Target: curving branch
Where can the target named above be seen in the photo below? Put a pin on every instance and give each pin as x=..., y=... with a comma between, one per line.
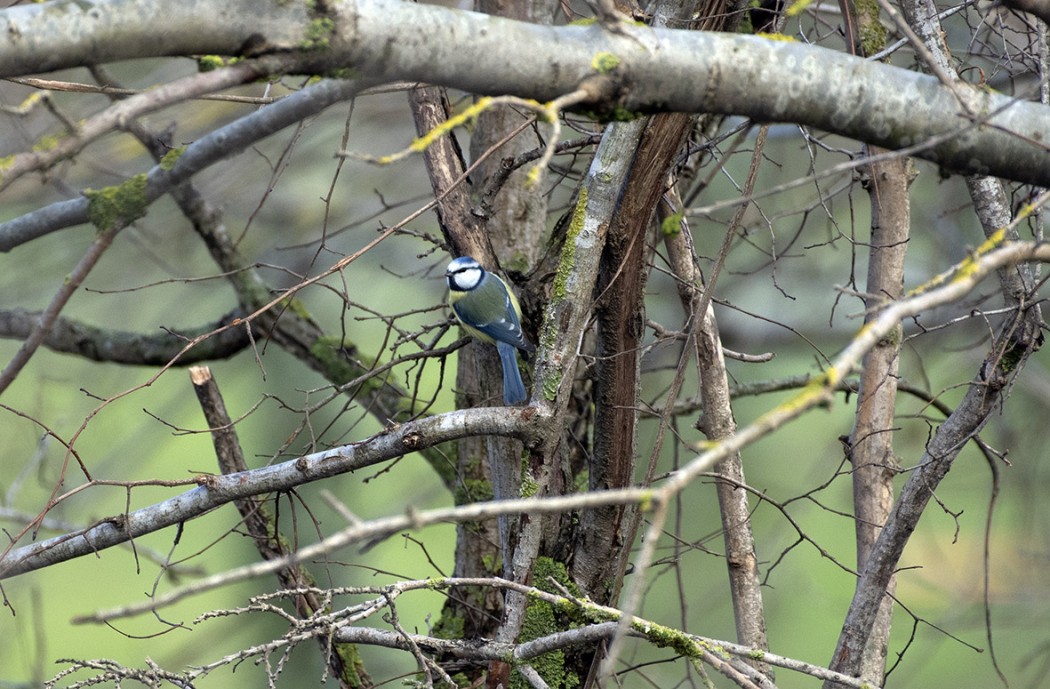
x=137, y=349
x=958, y=126
x=1040, y=8
x=215, y=491
x=117, y=115
x=206, y=151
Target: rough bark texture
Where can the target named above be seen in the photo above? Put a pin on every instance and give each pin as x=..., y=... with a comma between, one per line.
x=660, y=70
x=871, y=442
x=514, y=211
x=717, y=422
x=606, y=534
x=467, y=611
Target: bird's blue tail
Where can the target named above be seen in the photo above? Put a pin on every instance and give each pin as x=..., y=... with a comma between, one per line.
x=513, y=387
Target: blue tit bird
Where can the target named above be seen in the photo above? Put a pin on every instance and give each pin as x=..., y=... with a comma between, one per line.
x=489, y=311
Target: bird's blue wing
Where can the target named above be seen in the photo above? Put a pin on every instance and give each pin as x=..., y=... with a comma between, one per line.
x=477, y=313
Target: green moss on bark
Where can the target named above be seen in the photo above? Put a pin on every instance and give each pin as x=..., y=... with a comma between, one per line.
x=119, y=205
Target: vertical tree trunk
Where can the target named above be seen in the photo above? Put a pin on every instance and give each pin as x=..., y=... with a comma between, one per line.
x=467, y=611
x=871, y=442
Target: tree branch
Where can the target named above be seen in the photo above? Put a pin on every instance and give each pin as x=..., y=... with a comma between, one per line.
x=49, y=36
x=42, y=324
x=125, y=110
x=983, y=397
x=601, y=624
x=656, y=69
x=342, y=658
x=717, y=421
x=215, y=491
x=99, y=344
x=870, y=445
x=202, y=153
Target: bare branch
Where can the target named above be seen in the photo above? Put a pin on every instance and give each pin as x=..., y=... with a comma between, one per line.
x=125, y=110
x=42, y=325
x=206, y=151
x=138, y=349
x=657, y=69
x=219, y=490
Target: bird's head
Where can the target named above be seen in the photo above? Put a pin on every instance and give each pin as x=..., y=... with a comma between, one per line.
x=464, y=274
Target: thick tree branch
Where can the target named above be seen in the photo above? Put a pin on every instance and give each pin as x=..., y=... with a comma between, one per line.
x=137, y=349
x=446, y=169
x=655, y=69
x=564, y=321
x=495, y=650
x=514, y=209
x=49, y=36
x=215, y=491
x=604, y=536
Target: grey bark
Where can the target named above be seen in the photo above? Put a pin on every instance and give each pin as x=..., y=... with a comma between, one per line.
x=219, y=490
x=655, y=69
